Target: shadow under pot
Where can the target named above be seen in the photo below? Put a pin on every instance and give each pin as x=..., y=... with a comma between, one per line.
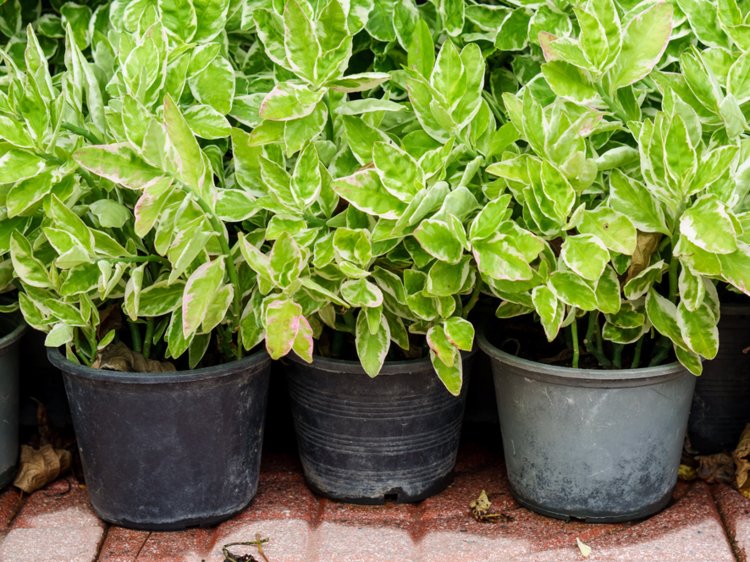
x=721, y=404
x=11, y=330
x=167, y=451
x=367, y=440
x=592, y=444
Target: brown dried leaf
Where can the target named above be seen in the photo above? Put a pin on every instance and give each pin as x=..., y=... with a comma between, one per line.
x=715, y=469
x=39, y=467
x=742, y=462
x=119, y=357
x=647, y=244
x=480, y=510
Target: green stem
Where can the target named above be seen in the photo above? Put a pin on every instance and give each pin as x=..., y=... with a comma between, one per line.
x=82, y=133
x=673, y=280
x=149, y=337
x=574, y=337
x=473, y=300
x=593, y=340
x=330, y=132
x=135, y=336
x=637, y=354
x=617, y=356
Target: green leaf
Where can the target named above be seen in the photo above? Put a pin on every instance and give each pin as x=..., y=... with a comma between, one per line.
x=441, y=346
x=644, y=40
x=118, y=163
x=662, y=314
x=289, y=101
x=27, y=267
x=17, y=165
x=361, y=293
x=691, y=361
x=572, y=290
x=400, y=174
x=708, y=225
x=110, y=214
x=282, y=321
x=445, y=279
x=439, y=240
x=460, y=332
x=372, y=349
x=359, y=82
x=200, y=290
x=421, y=50
x=513, y=34
x=632, y=199
x=452, y=15
x=551, y=310
x=179, y=17
x=699, y=330
x=450, y=376
x=302, y=49
x=586, y=255
x=182, y=148
x=215, y=85
x=642, y=283
x=612, y=228
x=567, y=81
x=207, y=123
x=365, y=191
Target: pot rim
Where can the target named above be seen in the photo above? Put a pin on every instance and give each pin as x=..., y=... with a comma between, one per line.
x=14, y=336
x=105, y=375
x=561, y=375
x=348, y=366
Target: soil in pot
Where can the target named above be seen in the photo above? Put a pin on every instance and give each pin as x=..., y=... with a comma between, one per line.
x=721, y=404
x=368, y=440
x=166, y=451
x=594, y=444
x=11, y=331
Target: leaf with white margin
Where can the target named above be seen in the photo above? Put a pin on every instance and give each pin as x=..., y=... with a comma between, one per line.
x=586, y=255
x=372, y=349
x=289, y=101
x=200, y=290
x=708, y=225
x=365, y=191
x=282, y=320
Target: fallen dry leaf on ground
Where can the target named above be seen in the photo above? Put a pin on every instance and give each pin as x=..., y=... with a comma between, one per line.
x=716, y=469
x=480, y=510
x=39, y=467
x=583, y=547
x=742, y=463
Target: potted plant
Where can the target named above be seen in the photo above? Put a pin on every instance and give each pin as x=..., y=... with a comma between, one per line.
x=123, y=239
x=367, y=241
x=624, y=199
x=722, y=394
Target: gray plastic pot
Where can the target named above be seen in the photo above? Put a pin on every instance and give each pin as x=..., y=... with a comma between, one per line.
x=166, y=451
x=368, y=440
x=9, y=344
x=597, y=445
x=721, y=404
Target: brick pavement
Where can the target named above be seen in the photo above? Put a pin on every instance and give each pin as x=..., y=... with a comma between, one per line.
x=710, y=523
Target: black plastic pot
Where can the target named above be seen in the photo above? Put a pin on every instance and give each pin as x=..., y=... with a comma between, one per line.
x=368, y=440
x=721, y=404
x=9, y=344
x=598, y=445
x=166, y=451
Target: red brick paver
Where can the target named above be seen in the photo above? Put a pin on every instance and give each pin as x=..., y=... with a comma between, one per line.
x=57, y=524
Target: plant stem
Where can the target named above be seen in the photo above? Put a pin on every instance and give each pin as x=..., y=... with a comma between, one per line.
x=637, y=354
x=135, y=336
x=574, y=337
x=673, y=280
x=149, y=337
x=617, y=356
x=81, y=133
x=473, y=300
x=593, y=340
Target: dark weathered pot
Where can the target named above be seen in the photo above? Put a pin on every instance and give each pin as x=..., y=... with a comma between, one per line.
x=598, y=445
x=9, y=344
x=166, y=451
x=721, y=404
x=367, y=440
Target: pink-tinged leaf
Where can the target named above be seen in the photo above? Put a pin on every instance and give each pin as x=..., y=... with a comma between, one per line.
x=282, y=320
x=303, y=343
